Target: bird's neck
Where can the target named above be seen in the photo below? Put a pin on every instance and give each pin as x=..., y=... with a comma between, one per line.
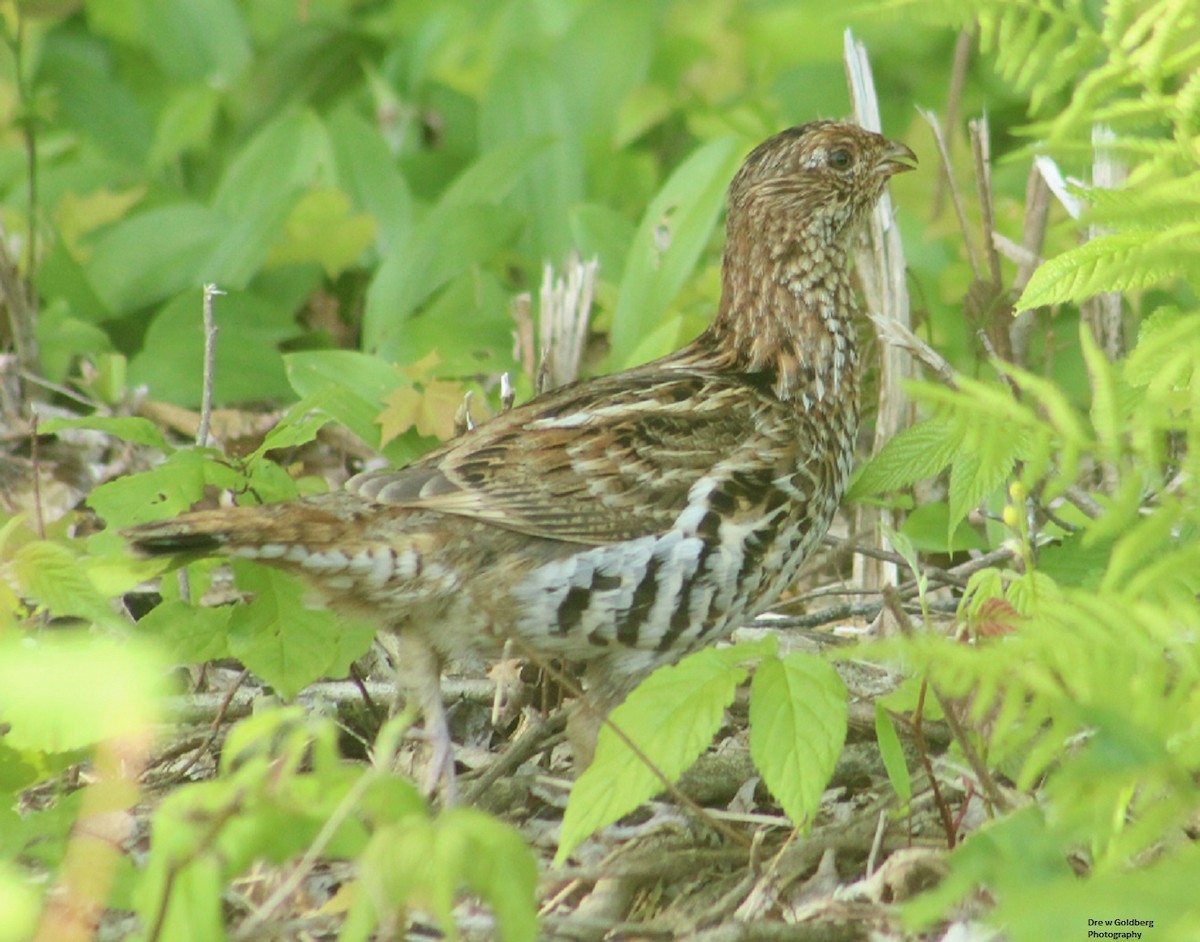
x=787, y=309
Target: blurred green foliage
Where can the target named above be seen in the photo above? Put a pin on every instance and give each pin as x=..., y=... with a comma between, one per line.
x=371, y=183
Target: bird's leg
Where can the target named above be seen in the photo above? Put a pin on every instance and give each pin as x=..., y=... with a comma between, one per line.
x=419, y=675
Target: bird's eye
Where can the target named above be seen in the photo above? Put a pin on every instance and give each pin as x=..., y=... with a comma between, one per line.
x=840, y=159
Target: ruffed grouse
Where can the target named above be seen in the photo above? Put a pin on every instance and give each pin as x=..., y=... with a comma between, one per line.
x=621, y=521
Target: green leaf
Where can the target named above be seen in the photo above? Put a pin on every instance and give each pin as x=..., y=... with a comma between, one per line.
x=164, y=491
x=250, y=331
x=494, y=861
x=322, y=228
x=52, y=577
x=285, y=157
x=132, y=429
x=978, y=473
x=526, y=101
x=286, y=643
x=187, y=634
x=1122, y=261
x=913, y=454
x=682, y=216
x=443, y=245
x=170, y=245
x=367, y=171
x=671, y=717
x=892, y=753
x=797, y=728
x=66, y=690
x=927, y=525
x=352, y=386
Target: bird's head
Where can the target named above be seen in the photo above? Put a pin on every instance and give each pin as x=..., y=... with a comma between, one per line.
x=819, y=179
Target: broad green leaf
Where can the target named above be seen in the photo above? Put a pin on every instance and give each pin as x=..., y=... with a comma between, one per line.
x=671, y=716
x=249, y=366
x=352, y=386
x=797, y=728
x=367, y=171
x=128, y=428
x=492, y=177
x=673, y=232
x=66, y=690
x=185, y=124
x=187, y=634
x=171, y=245
x=526, y=101
x=280, y=638
x=494, y=861
x=165, y=490
x=299, y=426
x=926, y=527
x=443, y=245
x=90, y=100
x=285, y=157
x=202, y=40
x=979, y=474
x=913, y=454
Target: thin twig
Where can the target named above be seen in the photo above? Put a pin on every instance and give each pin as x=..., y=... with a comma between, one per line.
x=956, y=197
x=981, y=149
x=210, y=367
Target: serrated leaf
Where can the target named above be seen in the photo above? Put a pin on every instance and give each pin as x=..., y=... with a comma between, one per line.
x=797, y=728
x=286, y=643
x=1118, y=262
x=495, y=862
x=978, y=473
x=913, y=454
x=50, y=575
x=671, y=716
x=430, y=410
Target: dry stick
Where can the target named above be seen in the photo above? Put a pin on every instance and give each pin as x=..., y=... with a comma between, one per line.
x=958, y=79
x=213, y=727
x=533, y=740
x=884, y=277
x=206, y=400
x=1033, y=234
x=304, y=866
x=210, y=350
x=35, y=458
x=956, y=197
x=981, y=148
x=568, y=684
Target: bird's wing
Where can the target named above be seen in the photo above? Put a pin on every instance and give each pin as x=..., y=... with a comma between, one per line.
x=597, y=462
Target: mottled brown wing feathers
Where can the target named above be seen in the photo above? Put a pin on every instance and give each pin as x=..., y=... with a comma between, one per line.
x=602, y=463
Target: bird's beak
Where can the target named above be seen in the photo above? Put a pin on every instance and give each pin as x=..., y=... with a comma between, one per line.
x=897, y=159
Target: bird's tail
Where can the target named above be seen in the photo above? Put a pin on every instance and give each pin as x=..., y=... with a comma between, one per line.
x=204, y=532
x=270, y=531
